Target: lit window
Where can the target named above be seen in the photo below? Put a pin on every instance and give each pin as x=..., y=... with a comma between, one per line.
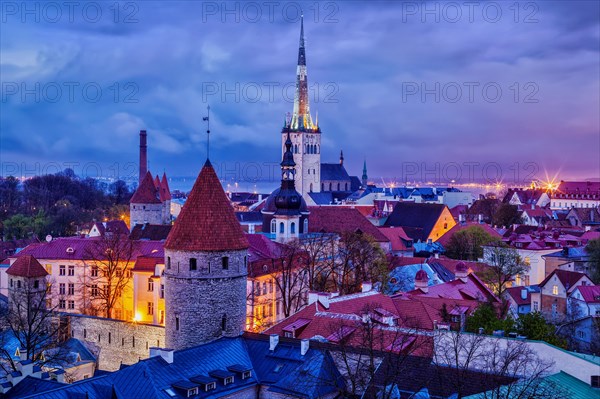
x=555, y=290
x=150, y=308
x=150, y=284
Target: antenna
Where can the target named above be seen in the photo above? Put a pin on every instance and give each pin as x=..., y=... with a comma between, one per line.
x=207, y=120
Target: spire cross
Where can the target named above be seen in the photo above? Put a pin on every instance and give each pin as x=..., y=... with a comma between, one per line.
x=207, y=120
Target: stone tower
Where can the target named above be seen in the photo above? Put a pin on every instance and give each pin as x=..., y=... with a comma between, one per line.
x=305, y=135
x=206, y=256
x=145, y=205
x=285, y=213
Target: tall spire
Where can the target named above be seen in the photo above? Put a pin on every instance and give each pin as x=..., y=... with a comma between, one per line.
x=301, y=119
x=365, y=178
x=341, y=157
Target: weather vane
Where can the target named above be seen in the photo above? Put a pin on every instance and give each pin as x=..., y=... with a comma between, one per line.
x=207, y=120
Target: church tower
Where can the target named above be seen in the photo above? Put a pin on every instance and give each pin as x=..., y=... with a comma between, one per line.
x=365, y=178
x=206, y=256
x=304, y=134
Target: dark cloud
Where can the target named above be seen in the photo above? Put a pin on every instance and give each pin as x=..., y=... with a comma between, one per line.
x=157, y=72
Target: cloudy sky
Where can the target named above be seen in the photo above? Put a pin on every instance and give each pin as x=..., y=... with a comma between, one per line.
x=436, y=90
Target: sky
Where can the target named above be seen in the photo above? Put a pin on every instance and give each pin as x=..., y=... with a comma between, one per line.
x=423, y=91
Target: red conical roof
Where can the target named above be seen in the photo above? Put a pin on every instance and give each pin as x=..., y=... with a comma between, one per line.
x=207, y=221
x=147, y=193
x=27, y=266
x=165, y=192
x=157, y=182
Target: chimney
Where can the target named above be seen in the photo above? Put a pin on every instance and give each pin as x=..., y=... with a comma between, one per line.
x=524, y=293
x=273, y=341
x=461, y=218
x=480, y=218
x=367, y=286
x=23, y=354
x=166, y=354
x=58, y=375
x=532, y=206
x=304, y=345
x=143, y=156
x=25, y=367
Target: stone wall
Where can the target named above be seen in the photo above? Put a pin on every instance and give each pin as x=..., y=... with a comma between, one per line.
x=201, y=302
x=116, y=342
x=146, y=213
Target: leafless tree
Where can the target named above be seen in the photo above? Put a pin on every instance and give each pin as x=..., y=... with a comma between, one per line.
x=111, y=260
x=511, y=368
x=290, y=278
x=320, y=250
x=504, y=264
x=29, y=317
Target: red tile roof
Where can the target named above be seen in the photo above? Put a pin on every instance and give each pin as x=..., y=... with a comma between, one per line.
x=590, y=293
x=515, y=294
x=566, y=277
x=578, y=187
x=147, y=264
x=341, y=219
x=445, y=239
x=397, y=237
x=472, y=289
x=147, y=193
x=165, y=192
x=26, y=266
x=207, y=221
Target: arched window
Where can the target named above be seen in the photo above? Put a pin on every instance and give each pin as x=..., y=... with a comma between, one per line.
x=322, y=186
x=306, y=149
x=224, y=322
x=273, y=226
x=168, y=262
x=281, y=228
x=330, y=186
x=318, y=149
x=306, y=226
x=293, y=228
x=295, y=148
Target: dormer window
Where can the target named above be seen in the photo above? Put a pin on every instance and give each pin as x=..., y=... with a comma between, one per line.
x=224, y=376
x=206, y=383
x=243, y=371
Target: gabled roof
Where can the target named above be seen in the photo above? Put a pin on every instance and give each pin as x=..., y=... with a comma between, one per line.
x=578, y=187
x=567, y=278
x=147, y=231
x=207, y=221
x=112, y=226
x=397, y=237
x=341, y=219
x=165, y=192
x=445, y=239
x=471, y=289
x=334, y=171
x=146, y=193
x=516, y=294
x=590, y=293
x=27, y=266
x=418, y=219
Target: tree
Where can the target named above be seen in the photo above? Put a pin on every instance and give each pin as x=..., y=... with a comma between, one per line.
x=511, y=368
x=534, y=326
x=487, y=317
x=29, y=317
x=320, y=250
x=506, y=215
x=467, y=243
x=593, y=249
x=22, y=226
x=111, y=261
x=504, y=264
x=359, y=259
x=290, y=277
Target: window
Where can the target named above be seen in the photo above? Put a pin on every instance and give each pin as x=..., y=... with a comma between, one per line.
x=162, y=291
x=554, y=309
x=150, y=308
x=273, y=226
x=555, y=290
x=11, y=282
x=445, y=226
x=94, y=290
x=293, y=228
x=94, y=271
x=257, y=288
x=270, y=286
x=265, y=288
x=62, y=304
x=580, y=334
x=118, y=273
x=193, y=264
x=527, y=261
x=305, y=225
x=535, y=306
x=176, y=323
x=281, y=228
x=225, y=262
x=71, y=304
x=71, y=290
x=18, y=283
x=150, y=284
x=61, y=270
x=228, y=380
x=71, y=270
x=49, y=268
x=161, y=319
x=168, y=262
x=595, y=381
x=62, y=289
x=224, y=323
x=213, y=385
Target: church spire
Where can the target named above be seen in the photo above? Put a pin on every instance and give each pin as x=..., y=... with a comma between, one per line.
x=365, y=178
x=301, y=119
x=342, y=157
x=288, y=166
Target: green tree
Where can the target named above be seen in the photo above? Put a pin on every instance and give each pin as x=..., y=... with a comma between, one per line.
x=534, y=326
x=506, y=215
x=504, y=264
x=593, y=249
x=488, y=318
x=22, y=226
x=467, y=243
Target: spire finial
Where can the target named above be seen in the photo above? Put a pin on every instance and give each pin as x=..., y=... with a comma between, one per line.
x=207, y=120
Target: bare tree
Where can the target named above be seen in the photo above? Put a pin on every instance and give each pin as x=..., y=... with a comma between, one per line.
x=504, y=264
x=510, y=368
x=111, y=261
x=29, y=317
x=290, y=278
x=320, y=250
